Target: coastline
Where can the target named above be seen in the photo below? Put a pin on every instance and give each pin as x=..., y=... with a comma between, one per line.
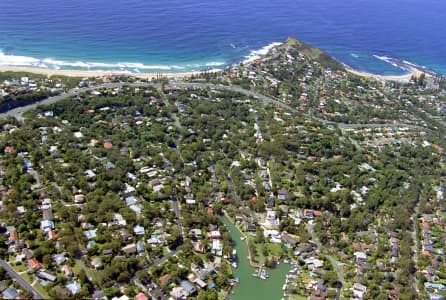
x=81, y=73
x=412, y=71
x=149, y=76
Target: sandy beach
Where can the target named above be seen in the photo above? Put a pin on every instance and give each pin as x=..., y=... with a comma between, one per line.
x=80, y=73
x=413, y=71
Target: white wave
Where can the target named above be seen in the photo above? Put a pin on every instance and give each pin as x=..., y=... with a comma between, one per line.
x=409, y=63
x=257, y=54
x=383, y=58
x=51, y=63
x=354, y=55
x=399, y=64
x=17, y=60
x=214, y=64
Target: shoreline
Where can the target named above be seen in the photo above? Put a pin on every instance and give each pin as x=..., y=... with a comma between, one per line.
x=400, y=78
x=412, y=71
x=251, y=263
x=82, y=73
x=405, y=78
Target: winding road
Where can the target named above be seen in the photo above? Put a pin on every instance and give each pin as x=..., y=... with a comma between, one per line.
x=18, y=112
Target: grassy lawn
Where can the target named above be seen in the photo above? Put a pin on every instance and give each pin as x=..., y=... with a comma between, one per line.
x=42, y=290
x=275, y=249
x=19, y=268
x=28, y=278
x=166, y=250
x=76, y=268
x=297, y=297
x=260, y=258
x=91, y=273
x=227, y=267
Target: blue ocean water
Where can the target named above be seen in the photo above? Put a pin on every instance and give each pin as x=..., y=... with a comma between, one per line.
x=184, y=35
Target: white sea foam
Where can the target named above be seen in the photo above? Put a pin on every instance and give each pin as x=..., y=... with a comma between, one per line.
x=214, y=64
x=51, y=63
x=394, y=62
x=256, y=54
x=383, y=58
x=17, y=60
x=354, y=55
x=409, y=63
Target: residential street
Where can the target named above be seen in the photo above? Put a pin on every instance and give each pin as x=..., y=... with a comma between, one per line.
x=23, y=283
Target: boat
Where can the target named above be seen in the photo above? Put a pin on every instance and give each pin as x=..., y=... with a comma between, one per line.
x=262, y=274
x=242, y=238
x=234, y=265
x=234, y=255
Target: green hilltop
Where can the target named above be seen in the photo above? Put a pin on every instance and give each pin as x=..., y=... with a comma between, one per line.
x=314, y=53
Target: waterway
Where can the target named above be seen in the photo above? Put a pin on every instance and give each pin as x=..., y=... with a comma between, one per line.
x=251, y=287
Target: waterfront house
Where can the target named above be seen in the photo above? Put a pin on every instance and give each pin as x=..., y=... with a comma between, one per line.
x=287, y=239
x=250, y=227
x=217, y=247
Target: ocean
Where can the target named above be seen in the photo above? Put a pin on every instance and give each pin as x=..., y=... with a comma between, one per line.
x=192, y=35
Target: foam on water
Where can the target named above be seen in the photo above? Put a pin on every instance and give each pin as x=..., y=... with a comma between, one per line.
x=256, y=54
x=56, y=64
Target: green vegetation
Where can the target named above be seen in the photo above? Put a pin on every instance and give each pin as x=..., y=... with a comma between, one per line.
x=342, y=175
